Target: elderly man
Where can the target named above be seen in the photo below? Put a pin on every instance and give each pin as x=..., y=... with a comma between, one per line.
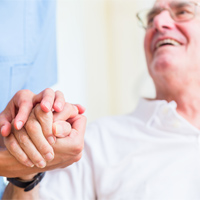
x=152, y=153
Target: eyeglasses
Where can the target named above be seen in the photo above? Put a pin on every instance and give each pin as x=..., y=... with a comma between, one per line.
x=180, y=11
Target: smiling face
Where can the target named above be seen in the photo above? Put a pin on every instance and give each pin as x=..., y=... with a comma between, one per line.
x=172, y=48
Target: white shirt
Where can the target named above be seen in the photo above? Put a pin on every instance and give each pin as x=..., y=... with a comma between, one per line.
x=150, y=154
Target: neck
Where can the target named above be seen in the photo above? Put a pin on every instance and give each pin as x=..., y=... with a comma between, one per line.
x=188, y=103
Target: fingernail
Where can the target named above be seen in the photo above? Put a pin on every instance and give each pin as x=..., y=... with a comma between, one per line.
x=49, y=156
x=2, y=129
x=59, y=105
x=19, y=125
x=59, y=130
x=51, y=140
x=76, y=109
x=41, y=164
x=47, y=105
x=29, y=164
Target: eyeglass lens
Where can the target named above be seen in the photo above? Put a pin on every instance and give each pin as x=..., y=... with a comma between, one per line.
x=179, y=11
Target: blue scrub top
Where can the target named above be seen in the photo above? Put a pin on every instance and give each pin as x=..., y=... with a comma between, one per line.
x=27, y=48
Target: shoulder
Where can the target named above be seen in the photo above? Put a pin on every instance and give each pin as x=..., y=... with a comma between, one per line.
x=112, y=126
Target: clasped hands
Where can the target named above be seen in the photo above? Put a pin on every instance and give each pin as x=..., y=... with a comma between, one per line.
x=42, y=131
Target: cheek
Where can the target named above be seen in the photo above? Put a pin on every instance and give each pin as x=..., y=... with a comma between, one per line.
x=147, y=46
x=192, y=35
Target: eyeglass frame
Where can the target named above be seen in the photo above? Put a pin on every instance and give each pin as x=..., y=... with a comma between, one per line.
x=196, y=4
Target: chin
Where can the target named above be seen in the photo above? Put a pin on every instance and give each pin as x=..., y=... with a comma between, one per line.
x=164, y=63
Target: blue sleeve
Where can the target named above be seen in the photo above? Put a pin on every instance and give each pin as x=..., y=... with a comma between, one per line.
x=2, y=187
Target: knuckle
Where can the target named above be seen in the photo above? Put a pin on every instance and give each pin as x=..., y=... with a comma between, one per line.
x=23, y=139
x=45, y=148
x=31, y=125
x=48, y=90
x=45, y=117
x=19, y=155
x=23, y=158
x=27, y=103
x=59, y=93
x=83, y=117
x=12, y=145
x=37, y=109
x=36, y=158
x=48, y=93
x=67, y=105
x=49, y=114
x=24, y=91
x=78, y=148
x=20, y=92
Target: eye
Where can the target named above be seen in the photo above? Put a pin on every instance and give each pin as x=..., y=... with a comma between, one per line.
x=182, y=12
x=150, y=18
x=151, y=15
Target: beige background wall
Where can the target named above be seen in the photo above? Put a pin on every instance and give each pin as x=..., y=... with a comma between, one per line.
x=100, y=55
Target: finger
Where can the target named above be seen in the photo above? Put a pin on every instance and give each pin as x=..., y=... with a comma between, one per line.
x=81, y=109
x=78, y=124
x=20, y=107
x=29, y=148
x=59, y=101
x=25, y=108
x=5, y=126
x=69, y=111
x=46, y=98
x=35, y=132
x=75, y=141
x=46, y=121
x=6, y=118
x=78, y=132
x=61, y=129
x=23, y=104
x=14, y=148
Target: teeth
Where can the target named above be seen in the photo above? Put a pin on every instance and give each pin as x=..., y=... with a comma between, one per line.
x=167, y=41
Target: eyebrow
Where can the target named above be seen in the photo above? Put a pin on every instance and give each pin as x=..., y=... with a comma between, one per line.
x=179, y=4
x=157, y=9
x=153, y=11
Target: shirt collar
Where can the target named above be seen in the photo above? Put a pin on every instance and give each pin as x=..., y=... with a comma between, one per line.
x=162, y=115
x=147, y=108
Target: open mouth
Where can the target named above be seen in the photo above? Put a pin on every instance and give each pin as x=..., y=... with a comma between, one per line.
x=165, y=42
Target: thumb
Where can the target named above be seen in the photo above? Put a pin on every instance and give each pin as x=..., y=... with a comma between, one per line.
x=81, y=109
x=5, y=124
x=61, y=129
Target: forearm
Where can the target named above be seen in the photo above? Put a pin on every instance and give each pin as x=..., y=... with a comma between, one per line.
x=13, y=192
x=10, y=167
x=1, y=142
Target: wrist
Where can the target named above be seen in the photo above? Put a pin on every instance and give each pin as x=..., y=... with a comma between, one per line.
x=27, y=184
x=27, y=177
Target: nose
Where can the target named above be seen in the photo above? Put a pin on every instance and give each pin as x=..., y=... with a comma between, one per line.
x=163, y=21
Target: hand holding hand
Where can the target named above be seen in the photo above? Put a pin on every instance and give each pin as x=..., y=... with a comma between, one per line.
x=20, y=106
x=30, y=147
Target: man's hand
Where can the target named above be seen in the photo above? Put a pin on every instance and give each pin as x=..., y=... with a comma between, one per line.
x=29, y=145
x=20, y=106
